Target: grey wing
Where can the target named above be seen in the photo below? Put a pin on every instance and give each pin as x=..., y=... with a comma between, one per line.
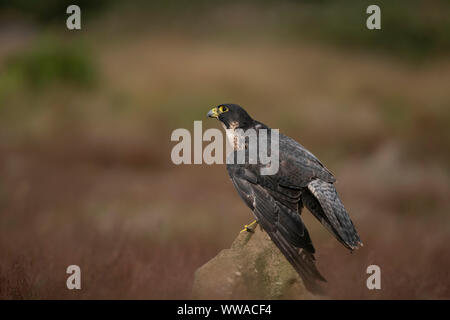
x=283, y=225
x=299, y=168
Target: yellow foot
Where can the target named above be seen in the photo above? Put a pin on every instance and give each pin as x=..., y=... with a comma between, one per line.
x=246, y=227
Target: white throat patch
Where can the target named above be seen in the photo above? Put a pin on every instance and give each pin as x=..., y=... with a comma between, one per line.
x=235, y=137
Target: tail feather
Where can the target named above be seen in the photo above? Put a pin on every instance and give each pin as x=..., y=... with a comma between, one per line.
x=286, y=229
x=298, y=251
x=323, y=201
x=302, y=261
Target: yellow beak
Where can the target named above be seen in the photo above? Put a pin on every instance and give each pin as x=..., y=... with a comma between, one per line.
x=213, y=113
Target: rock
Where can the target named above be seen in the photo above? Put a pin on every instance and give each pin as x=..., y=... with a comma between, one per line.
x=253, y=268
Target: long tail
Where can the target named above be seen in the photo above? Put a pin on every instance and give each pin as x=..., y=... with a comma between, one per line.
x=302, y=261
x=287, y=231
x=323, y=201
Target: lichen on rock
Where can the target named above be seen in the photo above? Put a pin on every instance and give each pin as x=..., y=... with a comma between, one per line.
x=253, y=268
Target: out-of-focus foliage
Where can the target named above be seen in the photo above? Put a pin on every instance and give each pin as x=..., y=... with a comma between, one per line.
x=410, y=28
x=48, y=62
x=413, y=28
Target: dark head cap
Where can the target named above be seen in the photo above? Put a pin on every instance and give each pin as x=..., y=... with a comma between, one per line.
x=231, y=115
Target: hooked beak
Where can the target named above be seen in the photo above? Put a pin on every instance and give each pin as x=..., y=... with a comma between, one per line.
x=213, y=113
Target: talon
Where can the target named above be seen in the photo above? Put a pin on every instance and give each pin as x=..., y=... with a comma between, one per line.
x=246, y=227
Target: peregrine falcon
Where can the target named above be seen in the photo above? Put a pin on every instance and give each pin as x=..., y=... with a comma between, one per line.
x=277, y=200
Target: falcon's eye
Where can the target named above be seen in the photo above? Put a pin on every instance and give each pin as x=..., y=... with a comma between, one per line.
x=223, y=109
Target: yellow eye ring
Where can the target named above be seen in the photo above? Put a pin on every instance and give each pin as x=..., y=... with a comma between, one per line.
x=223, y=109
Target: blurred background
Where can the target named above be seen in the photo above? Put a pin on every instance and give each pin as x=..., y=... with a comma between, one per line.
x=86, y=118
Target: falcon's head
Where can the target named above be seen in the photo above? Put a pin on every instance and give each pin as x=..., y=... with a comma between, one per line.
x=231, y=115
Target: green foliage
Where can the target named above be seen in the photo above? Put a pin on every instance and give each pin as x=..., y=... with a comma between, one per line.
x=409, y=28
x=47, y=63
